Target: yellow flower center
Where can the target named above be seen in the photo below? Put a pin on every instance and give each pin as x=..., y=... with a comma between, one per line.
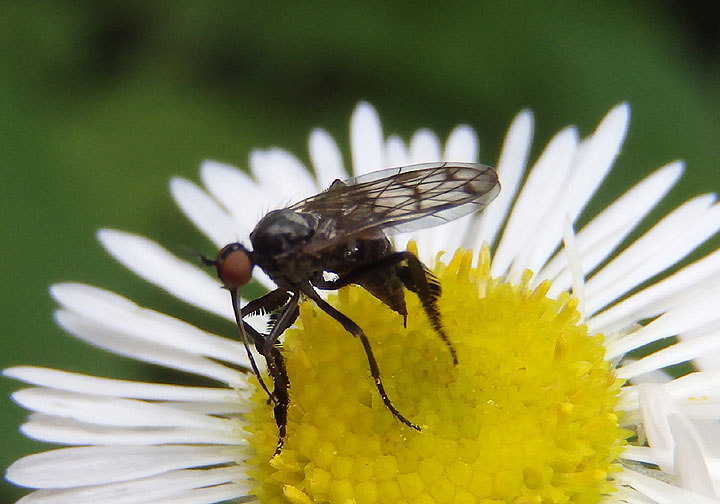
x=527, y=416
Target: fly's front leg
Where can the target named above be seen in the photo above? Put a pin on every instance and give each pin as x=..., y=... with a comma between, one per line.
x=288, y=315
x=259, y=339
x=355, y=330
x=281, y=383
x=264, y=304
x=276, y=368
x=276, y=362
x=267, y=303
x=244, y=329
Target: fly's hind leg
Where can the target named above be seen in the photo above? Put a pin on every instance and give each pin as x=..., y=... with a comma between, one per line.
x=418, y=279
x=355, y=330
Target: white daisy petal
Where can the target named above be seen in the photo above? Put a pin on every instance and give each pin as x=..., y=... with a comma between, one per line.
x=707, y=361
x=648, y=455
x=158, y=266
x=396, y=153
x=326, y=158
x=659, y=491
x=122, y=343
x=709, y=431
x=683, y=351
x=510, y=168
x=281, y=176
x=211, y=495
x=220, y=226
x=605, y=232
x=86, y=384
x=694, y=385
x=461, y=145
x=108, y=495
x=205, y=213
x=52, y=429
x=117, y=412
x=424, y=147
x=118, y=313
x=574, y=261
x=689, y=457
x=700, y=408
x=656, y=405
x=676, y=289
x=669, y=431
x=146, y=490
x=595, y=157
x=237, y=192
x=96, y=465
x=215, y=408
x=671, y=239
x=683, y=318
x=366, y=140
x=538, y=194
x=592, y=161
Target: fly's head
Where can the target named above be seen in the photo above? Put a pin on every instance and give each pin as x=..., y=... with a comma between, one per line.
x=282, y=232
x=233, y=264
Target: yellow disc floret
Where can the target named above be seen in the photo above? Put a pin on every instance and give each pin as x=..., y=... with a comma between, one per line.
x=526, y=417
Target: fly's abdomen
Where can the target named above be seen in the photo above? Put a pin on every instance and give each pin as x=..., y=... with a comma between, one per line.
x=366, y=254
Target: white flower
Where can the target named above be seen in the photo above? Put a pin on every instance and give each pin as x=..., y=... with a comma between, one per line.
x=145, y=442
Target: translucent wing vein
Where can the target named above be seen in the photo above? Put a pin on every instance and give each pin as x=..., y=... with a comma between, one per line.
x=400, y=200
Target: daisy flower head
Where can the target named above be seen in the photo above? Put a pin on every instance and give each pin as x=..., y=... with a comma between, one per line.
x=550, y=402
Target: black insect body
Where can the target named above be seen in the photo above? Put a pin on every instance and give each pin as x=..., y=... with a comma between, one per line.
x=342, y=233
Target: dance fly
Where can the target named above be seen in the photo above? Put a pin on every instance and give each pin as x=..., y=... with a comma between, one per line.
x=340, y=237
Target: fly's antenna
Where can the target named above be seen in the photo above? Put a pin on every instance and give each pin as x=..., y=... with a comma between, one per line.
x=205, y=260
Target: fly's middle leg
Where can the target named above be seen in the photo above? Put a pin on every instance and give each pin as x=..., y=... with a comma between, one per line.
x=355, y=330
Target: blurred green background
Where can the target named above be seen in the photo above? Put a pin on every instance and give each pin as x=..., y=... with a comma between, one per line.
x=103, y=102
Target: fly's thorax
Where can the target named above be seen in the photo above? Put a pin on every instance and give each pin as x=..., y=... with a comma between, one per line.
x=282, y=232
x=278, y=243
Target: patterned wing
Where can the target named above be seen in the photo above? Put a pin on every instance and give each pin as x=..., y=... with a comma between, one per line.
x=399, y=200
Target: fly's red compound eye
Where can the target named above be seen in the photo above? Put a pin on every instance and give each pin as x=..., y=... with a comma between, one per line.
x=234, y=267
